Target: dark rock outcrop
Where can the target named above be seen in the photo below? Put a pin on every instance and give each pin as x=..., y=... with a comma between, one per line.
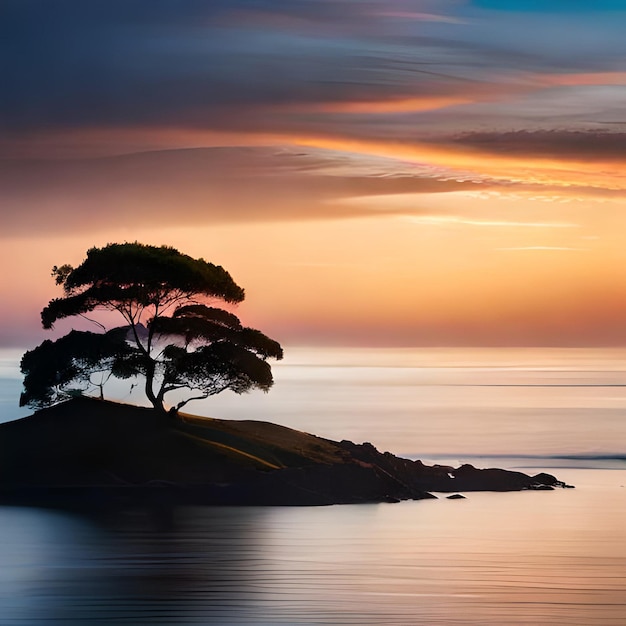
x=445, y=478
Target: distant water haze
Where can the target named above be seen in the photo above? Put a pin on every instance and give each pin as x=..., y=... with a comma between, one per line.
x=460, y=404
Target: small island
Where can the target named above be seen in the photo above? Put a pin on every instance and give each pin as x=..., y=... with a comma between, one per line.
x=77, y=450
x=89, y=452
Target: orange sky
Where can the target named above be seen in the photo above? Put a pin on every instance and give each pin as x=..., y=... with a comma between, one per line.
x=412, y=174
x=440, y=269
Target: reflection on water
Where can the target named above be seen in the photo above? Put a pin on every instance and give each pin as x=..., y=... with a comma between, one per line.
x=519, y=558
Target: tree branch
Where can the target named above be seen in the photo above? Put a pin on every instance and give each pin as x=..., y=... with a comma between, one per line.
x=96, y=322
x=182, y=403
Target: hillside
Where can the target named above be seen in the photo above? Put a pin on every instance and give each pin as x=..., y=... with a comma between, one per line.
x=90, y=451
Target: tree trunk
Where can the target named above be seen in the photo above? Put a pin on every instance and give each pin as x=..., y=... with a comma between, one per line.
x=156, y=401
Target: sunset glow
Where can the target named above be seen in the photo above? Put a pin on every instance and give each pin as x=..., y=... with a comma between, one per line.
x=404, y=173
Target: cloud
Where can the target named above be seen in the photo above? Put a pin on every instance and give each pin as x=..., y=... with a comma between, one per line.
x=271, y=66
x=391, y=105
x=566, y=144
x=585, y=78
x=80, y=64
x=421, y=17
x=544, y=248
x=94, y=78
x=201, y=186
x=447, y=220
x=450, y=160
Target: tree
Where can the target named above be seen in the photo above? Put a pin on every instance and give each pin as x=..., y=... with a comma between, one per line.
x=171, y=337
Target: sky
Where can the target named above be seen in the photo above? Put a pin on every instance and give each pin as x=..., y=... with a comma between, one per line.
x=372, y=172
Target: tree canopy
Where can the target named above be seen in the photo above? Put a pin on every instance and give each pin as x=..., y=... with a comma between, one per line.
x=171, y=336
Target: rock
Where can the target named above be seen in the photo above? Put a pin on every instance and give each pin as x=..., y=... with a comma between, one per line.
x=545, y=479
x=456, y=496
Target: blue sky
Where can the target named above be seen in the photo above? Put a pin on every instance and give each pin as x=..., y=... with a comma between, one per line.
x=552, y=6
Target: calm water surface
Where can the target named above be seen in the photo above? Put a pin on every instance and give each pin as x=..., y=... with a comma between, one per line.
x=520, y=558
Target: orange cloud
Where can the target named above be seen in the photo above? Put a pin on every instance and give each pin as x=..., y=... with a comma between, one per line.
x=538, y=169
x=391, y=105
x=581, y=79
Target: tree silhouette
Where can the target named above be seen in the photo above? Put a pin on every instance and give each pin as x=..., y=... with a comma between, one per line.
x=171, y=337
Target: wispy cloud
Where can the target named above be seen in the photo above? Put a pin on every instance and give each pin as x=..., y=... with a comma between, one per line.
x=569, y=145
x=308, y=67
x=544, y=249
x=475, y=164
x=447, y=220
x=199, y=186
x=420, y=17
x=391, y=105
x=573, y=79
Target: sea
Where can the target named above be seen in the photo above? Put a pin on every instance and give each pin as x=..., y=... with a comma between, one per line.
x=537, y=557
